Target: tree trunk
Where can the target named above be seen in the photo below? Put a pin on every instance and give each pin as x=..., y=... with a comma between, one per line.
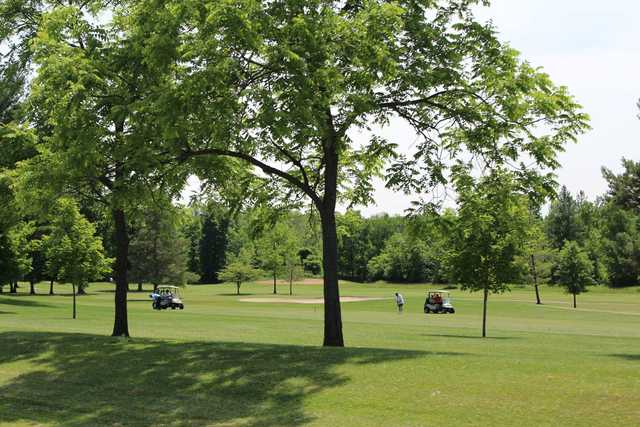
x=237, y=288
x=291, y=282
x=74, y=299
x=332, y=315
x=139, y=286
x=13, y=287
x=121, y=325
x=275, y=290
x=81, y=290
x=574, y=300
x=51, y=287
x=484, y=312
x=535, y=279
x=32, y=288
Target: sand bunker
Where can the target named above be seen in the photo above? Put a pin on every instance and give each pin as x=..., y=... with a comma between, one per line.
x=307, y=300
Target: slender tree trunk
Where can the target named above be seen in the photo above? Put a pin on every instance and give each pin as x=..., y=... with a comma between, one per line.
x=574, y=300
x=237, y=288
x=121, y=324
x=51, y=287
x=13, y=287
x=32, y=287
x=291, y=282
x=535, y=278
x=484, y=312
x=275, y=290
x=81, y=290
x=332, y=314
x=139, y=286
x=74, y=299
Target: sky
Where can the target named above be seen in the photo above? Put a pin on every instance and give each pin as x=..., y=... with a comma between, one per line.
x=590, y=46
x=593, y=48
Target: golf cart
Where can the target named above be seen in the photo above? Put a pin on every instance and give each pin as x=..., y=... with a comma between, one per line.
x=438, y=302
x=167, y=297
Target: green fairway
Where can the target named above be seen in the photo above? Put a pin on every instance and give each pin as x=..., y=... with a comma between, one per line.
x=222, y=361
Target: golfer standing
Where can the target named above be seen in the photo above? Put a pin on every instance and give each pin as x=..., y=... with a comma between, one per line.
x=400, y=302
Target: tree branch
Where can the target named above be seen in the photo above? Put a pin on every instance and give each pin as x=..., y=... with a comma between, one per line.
x=270, y=170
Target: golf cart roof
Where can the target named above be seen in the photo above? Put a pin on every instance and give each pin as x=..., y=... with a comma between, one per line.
x=439, y=292
x=167, y=287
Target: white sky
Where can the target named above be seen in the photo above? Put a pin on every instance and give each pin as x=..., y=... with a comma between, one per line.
x=591, y=46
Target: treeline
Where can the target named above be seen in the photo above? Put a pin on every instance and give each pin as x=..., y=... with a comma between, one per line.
x=419, y=249
x=172, y=244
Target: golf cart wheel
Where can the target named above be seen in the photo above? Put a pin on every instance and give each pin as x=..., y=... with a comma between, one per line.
x=426, y=310
x=452, y=311
x=181, y=306
x=173, y=307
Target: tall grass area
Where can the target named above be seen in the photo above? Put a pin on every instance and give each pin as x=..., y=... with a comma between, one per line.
x=223, y=361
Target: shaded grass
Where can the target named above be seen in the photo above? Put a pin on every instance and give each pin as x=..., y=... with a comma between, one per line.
x=90, y=380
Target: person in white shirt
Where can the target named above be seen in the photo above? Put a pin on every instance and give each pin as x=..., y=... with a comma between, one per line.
x=400, y=302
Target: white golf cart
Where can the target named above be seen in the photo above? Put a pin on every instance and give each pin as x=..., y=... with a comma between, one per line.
x=167, y=297
x=438, y=302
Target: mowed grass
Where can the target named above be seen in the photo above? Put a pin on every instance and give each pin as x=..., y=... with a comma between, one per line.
x=226, y=362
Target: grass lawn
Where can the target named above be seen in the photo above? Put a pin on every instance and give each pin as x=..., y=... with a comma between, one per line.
x=226, y=362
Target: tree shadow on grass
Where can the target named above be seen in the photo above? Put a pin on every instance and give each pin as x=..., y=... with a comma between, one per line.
x=631, y=357
x=87, y=380
x=242, y=294
x=22, y=302
x=470, y=337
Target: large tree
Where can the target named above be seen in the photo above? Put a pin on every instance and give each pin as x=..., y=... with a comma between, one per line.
x=284, y=86
x=93, y=132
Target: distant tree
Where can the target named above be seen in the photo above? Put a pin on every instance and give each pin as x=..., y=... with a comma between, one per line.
x=352, y=246
x=72, y=248
x=213, y=246
x=239, y=271
x=158, y=252
x=310, y=262
x=9, y=267
x=621, y=245
x=488, y=233
x=624, y=189
x=271, y=250
x=562, y=221
x=574, y=269
x=537, y=259
x=292, y=267
x=404, y=259
x=192, y=230
x=21, y=252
